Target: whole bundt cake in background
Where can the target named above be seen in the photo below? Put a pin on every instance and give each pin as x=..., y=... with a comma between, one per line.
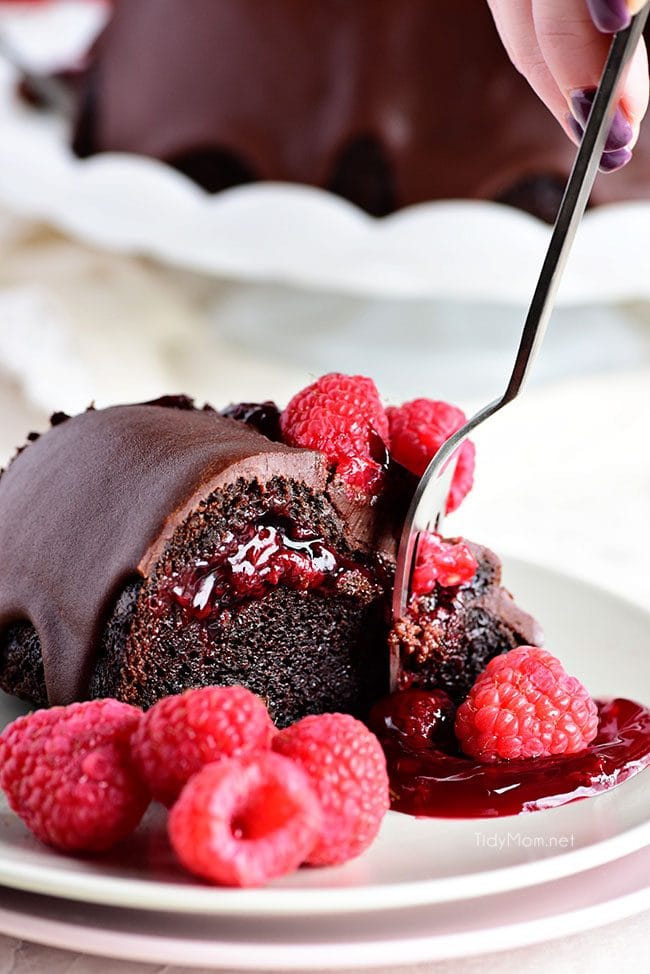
x=385, y=102
x=149, y=548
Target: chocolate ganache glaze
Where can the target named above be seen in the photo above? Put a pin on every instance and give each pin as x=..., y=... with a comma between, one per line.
x=110, y=487
x=386, y=102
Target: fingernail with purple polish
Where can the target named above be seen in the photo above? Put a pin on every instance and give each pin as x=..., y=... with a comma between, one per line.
x=620, y=132
x=609, y=16
x=611, y=161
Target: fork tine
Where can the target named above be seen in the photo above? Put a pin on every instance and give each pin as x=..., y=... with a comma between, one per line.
x=435, y=483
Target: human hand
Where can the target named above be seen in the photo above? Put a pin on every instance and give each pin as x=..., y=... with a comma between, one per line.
x=560, y=46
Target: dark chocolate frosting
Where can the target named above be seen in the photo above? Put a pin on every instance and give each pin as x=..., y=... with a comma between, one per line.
x=416, y=96
x=92, y=503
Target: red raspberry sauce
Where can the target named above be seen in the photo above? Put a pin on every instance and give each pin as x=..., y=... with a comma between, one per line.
x=250, y=564
x=446, y=786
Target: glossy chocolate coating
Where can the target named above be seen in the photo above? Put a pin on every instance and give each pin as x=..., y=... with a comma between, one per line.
x=91, y=505
x=390, y=102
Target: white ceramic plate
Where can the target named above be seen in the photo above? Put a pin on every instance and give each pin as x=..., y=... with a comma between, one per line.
x=286, y=233
x=600, y=638
x=426, y=933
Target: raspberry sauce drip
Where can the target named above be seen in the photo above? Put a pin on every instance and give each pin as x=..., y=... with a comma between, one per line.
x=251, y=563
x=435, y=784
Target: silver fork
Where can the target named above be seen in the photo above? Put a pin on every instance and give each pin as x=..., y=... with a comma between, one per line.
x=428, y=506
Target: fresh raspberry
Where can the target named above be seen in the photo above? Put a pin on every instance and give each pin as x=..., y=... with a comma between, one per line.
x=180, y=734
x=68, y=774
x=343, y=417
x=245, y=821
x=524, y=705
x=446, y=562
x=417, y=431
x=418, y=720
x=347, y=768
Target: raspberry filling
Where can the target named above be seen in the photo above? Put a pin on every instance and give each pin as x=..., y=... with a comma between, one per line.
x=443, y=784
x=417, y=719
x=253, y=562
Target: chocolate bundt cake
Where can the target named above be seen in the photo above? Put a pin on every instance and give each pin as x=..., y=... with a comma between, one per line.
x=385, y=102
x=149, y=548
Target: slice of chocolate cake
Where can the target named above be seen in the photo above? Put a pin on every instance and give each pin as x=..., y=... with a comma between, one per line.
x=149, y=548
